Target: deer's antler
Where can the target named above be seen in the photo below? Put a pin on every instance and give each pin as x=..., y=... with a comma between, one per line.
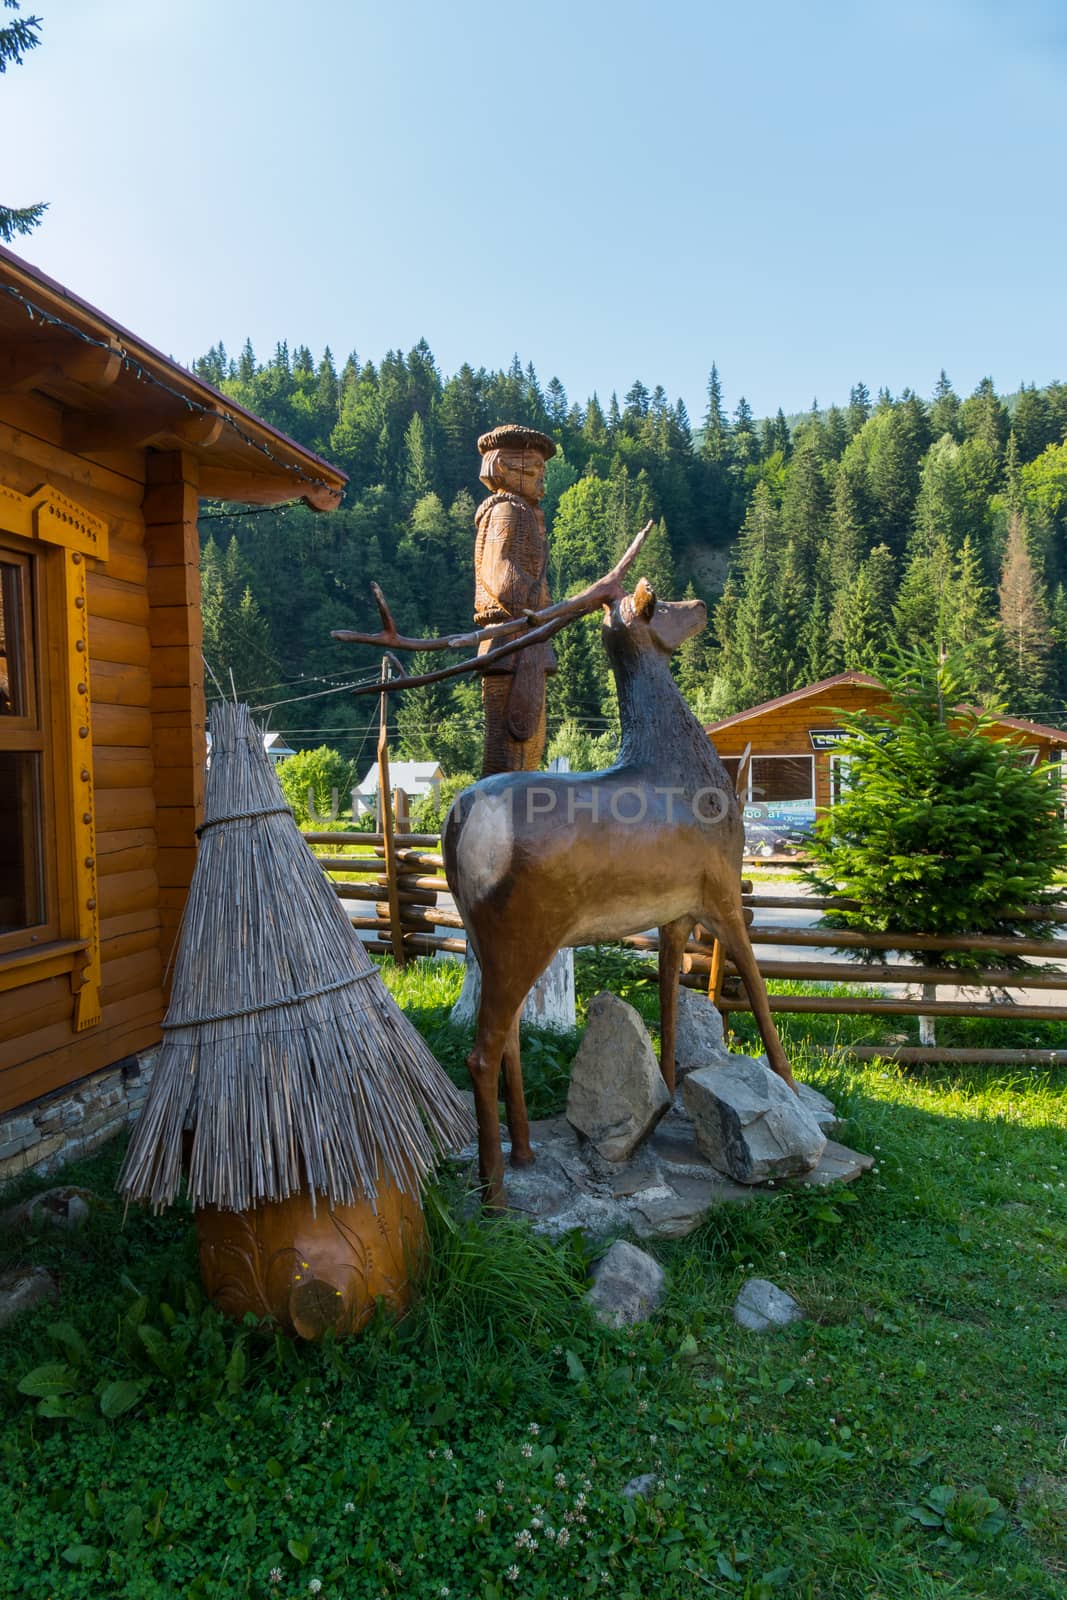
x=533, y=627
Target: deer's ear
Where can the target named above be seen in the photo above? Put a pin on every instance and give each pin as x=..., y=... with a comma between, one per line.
x=644, y=599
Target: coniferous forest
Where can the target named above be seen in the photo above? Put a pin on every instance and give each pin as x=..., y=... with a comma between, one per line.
x=817, y=541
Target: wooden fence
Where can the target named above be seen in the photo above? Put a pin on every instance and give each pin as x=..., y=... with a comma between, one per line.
x=399, y=882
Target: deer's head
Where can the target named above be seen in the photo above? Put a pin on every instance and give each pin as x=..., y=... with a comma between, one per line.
x=638, y=622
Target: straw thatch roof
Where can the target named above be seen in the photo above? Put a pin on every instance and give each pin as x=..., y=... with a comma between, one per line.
x=283, y=1053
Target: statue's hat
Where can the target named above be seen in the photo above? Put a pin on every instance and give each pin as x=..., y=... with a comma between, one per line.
x=512, y=436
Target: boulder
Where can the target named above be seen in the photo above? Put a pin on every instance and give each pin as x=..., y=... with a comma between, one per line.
x=24, y=1287
x=627, y=1286
x=749, y=1124
x=699, y=1039
x=821, y=1109
x=617, y=1093
x=762, y=1305
x=65, y=1207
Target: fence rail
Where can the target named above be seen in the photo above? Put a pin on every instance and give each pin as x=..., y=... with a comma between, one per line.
x=399, y=879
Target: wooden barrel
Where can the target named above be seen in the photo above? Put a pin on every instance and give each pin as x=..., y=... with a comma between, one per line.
x=311, y=1271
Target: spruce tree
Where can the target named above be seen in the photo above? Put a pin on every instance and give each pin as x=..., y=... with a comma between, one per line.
x=943, y=829
x=945, y=409
x=1023, y=623
x=18, y=37
x=715, y=446
x=859, y=409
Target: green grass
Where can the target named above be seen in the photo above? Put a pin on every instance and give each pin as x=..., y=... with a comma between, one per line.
x=910, y=1440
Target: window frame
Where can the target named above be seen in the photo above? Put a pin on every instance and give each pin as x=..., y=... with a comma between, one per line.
x=801, y=756
x=30, y=734
x=60, y=537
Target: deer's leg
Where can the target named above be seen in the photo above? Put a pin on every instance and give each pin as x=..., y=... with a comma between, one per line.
x=672, y=941
x=483, y=1064
x=735, y=937
x=515, y=1098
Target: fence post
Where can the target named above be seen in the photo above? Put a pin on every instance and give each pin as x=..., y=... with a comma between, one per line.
x=396, y=932
x=718, y=954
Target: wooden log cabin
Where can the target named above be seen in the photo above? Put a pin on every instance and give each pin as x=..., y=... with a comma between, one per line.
x=106, y=448
x=785, y=754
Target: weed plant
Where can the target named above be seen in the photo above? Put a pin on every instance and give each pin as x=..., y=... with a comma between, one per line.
x=906, y=1442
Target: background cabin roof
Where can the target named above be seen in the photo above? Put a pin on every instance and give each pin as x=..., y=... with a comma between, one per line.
x=818, y=691
x=414, y=777
x=115, y=392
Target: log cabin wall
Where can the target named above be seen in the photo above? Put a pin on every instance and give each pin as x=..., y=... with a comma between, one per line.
x=785, y=730
x=147, y=740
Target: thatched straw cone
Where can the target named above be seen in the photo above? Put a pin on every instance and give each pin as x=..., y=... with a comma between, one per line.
x=283, y=1056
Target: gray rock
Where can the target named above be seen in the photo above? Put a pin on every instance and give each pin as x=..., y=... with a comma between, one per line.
x=837, y=1164
x=762, y=1305
x=699, y=1040
x=25, y=1287
x=617, y=1093
x=627, y=1286
x=749, y=1124
x=65, y=1207
x=641, y=1487
x=821, y=1108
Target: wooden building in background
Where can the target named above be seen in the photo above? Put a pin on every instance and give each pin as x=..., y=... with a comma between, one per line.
x=106, y=448
x=793, y=766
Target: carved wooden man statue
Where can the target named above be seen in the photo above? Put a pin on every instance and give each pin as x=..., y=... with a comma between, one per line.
x=510, y=577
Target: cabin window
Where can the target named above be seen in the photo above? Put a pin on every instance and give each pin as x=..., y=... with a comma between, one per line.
x=773, y=779
x=840, y=778
x=24, y=909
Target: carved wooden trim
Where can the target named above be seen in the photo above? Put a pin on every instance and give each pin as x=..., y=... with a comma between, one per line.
x=50, y=518
x=58, y=520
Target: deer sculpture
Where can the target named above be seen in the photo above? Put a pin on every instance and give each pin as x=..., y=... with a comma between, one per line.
x=540, y=861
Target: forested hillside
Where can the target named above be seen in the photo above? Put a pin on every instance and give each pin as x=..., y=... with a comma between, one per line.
x=815, y=544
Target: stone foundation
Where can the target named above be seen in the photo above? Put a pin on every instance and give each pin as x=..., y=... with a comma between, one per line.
x=74, y=1120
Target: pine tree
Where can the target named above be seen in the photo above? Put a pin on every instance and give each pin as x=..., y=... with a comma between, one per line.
x=971, y=628
x=757, y=664
x=945, y=408
x=943, y=830
x=418, y=459
x=850, y=523
x=806, y=501
x=940, y=510
x=575, y=690
x=1031, y=423
x=836, y=433
x=985, y=417
x=715, y=446
x=691, y=662
x=556, y=404
x=792, y=615
x=595, y=429
x=864, y=616
x=18, y=37
x=816, y=653
x=1023, y=622
x=859, y=408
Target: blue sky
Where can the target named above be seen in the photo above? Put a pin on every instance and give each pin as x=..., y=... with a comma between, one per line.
x=809, y=195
